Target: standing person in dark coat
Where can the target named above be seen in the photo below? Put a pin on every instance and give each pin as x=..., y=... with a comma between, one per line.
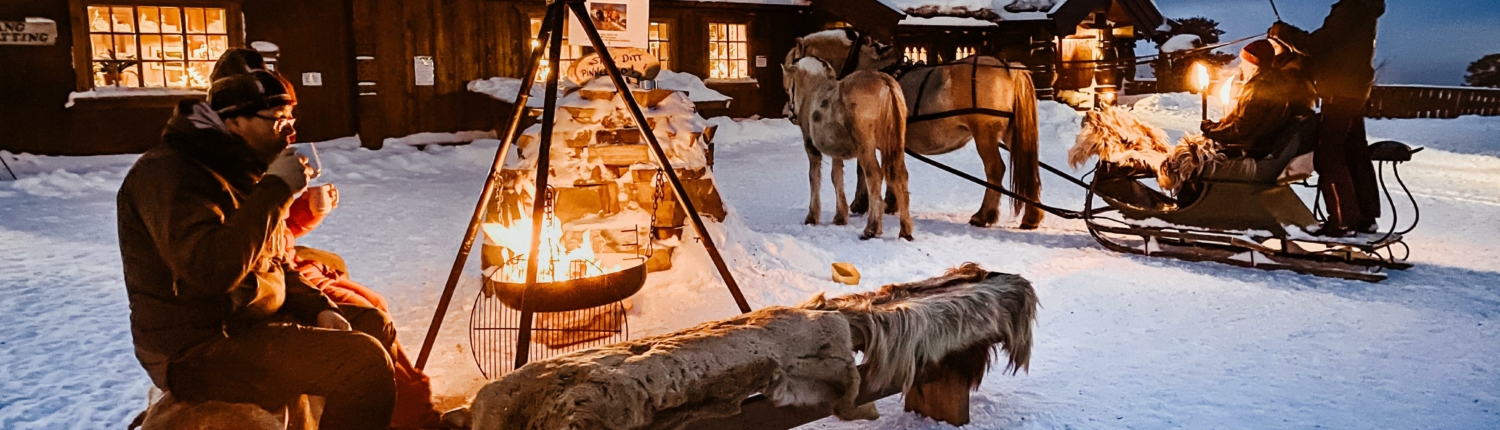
x=1341, y=58
x=214, y=313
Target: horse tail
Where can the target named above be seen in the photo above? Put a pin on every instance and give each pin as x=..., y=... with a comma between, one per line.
x=892, y=133
x=1025, y=176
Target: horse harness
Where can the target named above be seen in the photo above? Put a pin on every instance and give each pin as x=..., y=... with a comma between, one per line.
x=973, y=108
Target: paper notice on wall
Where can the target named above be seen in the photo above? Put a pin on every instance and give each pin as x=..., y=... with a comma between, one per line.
x=426, y=71
x=312, y=79
x=622, y=23
x=32, y=31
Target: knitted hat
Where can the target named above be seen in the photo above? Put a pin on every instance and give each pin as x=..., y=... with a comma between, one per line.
x=237, y=61
x=248, y=93
x=1259, y=52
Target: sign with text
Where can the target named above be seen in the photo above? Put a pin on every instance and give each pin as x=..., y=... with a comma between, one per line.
x=623, y=23
x=425, y=71
x=633, y=63
x=32, y=31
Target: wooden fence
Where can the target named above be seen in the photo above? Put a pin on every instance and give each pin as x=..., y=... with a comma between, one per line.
x=1396, y=101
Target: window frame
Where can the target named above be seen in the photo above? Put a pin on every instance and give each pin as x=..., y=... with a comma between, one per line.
x=570, y=53
x=708, y=54
x=673, y=40
x=83, y=65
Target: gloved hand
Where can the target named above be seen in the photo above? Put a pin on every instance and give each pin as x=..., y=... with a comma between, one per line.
x=1207, y=125
x=291, y=168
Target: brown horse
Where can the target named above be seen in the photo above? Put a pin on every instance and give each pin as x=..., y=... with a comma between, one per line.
x=854, y=117
x=977, y=82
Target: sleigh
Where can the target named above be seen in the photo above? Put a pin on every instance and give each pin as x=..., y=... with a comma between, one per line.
x=1245, y=214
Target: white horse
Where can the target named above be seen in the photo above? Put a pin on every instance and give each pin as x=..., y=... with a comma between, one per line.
x=853, y=117
x=966, y=86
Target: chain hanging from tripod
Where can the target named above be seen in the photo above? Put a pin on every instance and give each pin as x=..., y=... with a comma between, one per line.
x=658, y=187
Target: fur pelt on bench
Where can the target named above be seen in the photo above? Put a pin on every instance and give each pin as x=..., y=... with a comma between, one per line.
x=792, y=356
x=903, y=328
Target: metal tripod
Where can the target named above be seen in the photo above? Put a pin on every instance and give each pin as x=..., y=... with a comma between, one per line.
x=551, y=32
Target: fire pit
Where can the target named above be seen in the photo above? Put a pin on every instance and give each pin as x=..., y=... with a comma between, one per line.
x=573, y=294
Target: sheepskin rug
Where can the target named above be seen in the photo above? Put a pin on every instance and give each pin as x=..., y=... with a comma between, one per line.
x=1116, y=136
x=792, y=356
x=903, y=328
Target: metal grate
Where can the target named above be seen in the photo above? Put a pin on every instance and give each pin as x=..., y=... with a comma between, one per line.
x=495, y=327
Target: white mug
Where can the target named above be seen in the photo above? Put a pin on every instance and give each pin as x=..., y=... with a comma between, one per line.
x=322, y=198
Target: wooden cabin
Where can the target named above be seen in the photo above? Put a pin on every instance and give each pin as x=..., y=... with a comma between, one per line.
x=102, y=76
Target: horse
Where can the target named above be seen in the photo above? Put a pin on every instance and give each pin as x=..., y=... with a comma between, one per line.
x=854, y=117
x=974, y=89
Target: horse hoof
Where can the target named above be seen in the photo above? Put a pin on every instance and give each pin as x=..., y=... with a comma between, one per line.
x=978, y=222
x=841, y=221
x=1029, y=226
x=908, y=237
x=810, y=220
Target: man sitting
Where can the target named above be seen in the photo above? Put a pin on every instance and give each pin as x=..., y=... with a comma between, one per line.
x=215, y=314
x=1275, y=92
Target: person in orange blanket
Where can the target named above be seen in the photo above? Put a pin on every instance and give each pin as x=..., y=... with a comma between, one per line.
x=327, y=272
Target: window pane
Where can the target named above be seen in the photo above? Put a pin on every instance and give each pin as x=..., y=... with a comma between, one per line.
x=99, y=19
x=176, y=74
x=131, y=77
x=195, y=21
x=171, y=20
x=198, y=48
x=152, y=75
x=124, y=19
x=172, y=47
x=150, y=19
x=198, y=72
x=151, y=48
x=217, y=23
x=216, y=46
x=103, y=45
x=125, y=47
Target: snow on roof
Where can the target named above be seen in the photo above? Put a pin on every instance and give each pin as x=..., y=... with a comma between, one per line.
x=986, y=10
x=946, y=21
x=1182, y=42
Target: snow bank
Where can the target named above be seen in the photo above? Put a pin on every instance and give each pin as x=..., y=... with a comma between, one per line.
x=506, y=90
x=736, y=132
x=691, y=84
x=439, y=138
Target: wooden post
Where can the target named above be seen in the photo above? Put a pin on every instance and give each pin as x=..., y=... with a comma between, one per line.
x=941, y=390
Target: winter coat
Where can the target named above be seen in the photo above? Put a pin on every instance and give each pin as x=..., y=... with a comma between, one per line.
x=1267, y=103
x=1341, y=54
x=202, y=239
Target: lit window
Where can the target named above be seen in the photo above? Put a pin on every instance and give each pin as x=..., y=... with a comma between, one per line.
x=660, y=43
x=569, y=52
x=728, y=51
x=916, y=55
x=963, y=52
x=156, y=46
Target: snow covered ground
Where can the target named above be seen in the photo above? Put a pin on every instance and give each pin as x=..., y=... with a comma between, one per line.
x=1121, y=342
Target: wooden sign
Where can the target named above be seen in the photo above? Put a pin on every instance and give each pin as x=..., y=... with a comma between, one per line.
x=32, y=31
x=633, y=63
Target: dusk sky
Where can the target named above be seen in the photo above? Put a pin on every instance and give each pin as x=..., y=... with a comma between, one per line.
x=1423, y=41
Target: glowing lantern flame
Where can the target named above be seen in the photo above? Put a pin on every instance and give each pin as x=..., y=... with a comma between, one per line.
x=1200, y=77
x=1226, y=94
x=556, y=262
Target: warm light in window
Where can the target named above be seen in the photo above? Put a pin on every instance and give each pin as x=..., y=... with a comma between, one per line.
x=728, y=51
x=963, y=52
x=155, y=46
x=916, y=55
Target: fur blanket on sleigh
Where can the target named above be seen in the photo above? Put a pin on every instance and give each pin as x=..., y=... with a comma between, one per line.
x=794, y=356
x=1116, y=136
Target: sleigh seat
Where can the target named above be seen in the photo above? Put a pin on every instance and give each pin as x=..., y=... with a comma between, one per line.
x=1237, y=194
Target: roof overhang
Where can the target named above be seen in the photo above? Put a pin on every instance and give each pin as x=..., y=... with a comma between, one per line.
x=1143, y=14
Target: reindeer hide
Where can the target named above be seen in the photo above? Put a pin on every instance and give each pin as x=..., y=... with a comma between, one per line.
x=1116, y=136
x=792, y=356
x=1187, y=160
x=903, y=328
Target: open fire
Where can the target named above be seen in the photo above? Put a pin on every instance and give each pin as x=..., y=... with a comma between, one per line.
x=557, y=260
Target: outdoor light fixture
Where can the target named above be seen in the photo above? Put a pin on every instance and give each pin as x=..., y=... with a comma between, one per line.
x=1201, y=82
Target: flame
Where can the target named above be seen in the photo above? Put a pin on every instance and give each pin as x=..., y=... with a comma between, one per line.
x=556, y=262
x=1226, y=93
x=1200, y=77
